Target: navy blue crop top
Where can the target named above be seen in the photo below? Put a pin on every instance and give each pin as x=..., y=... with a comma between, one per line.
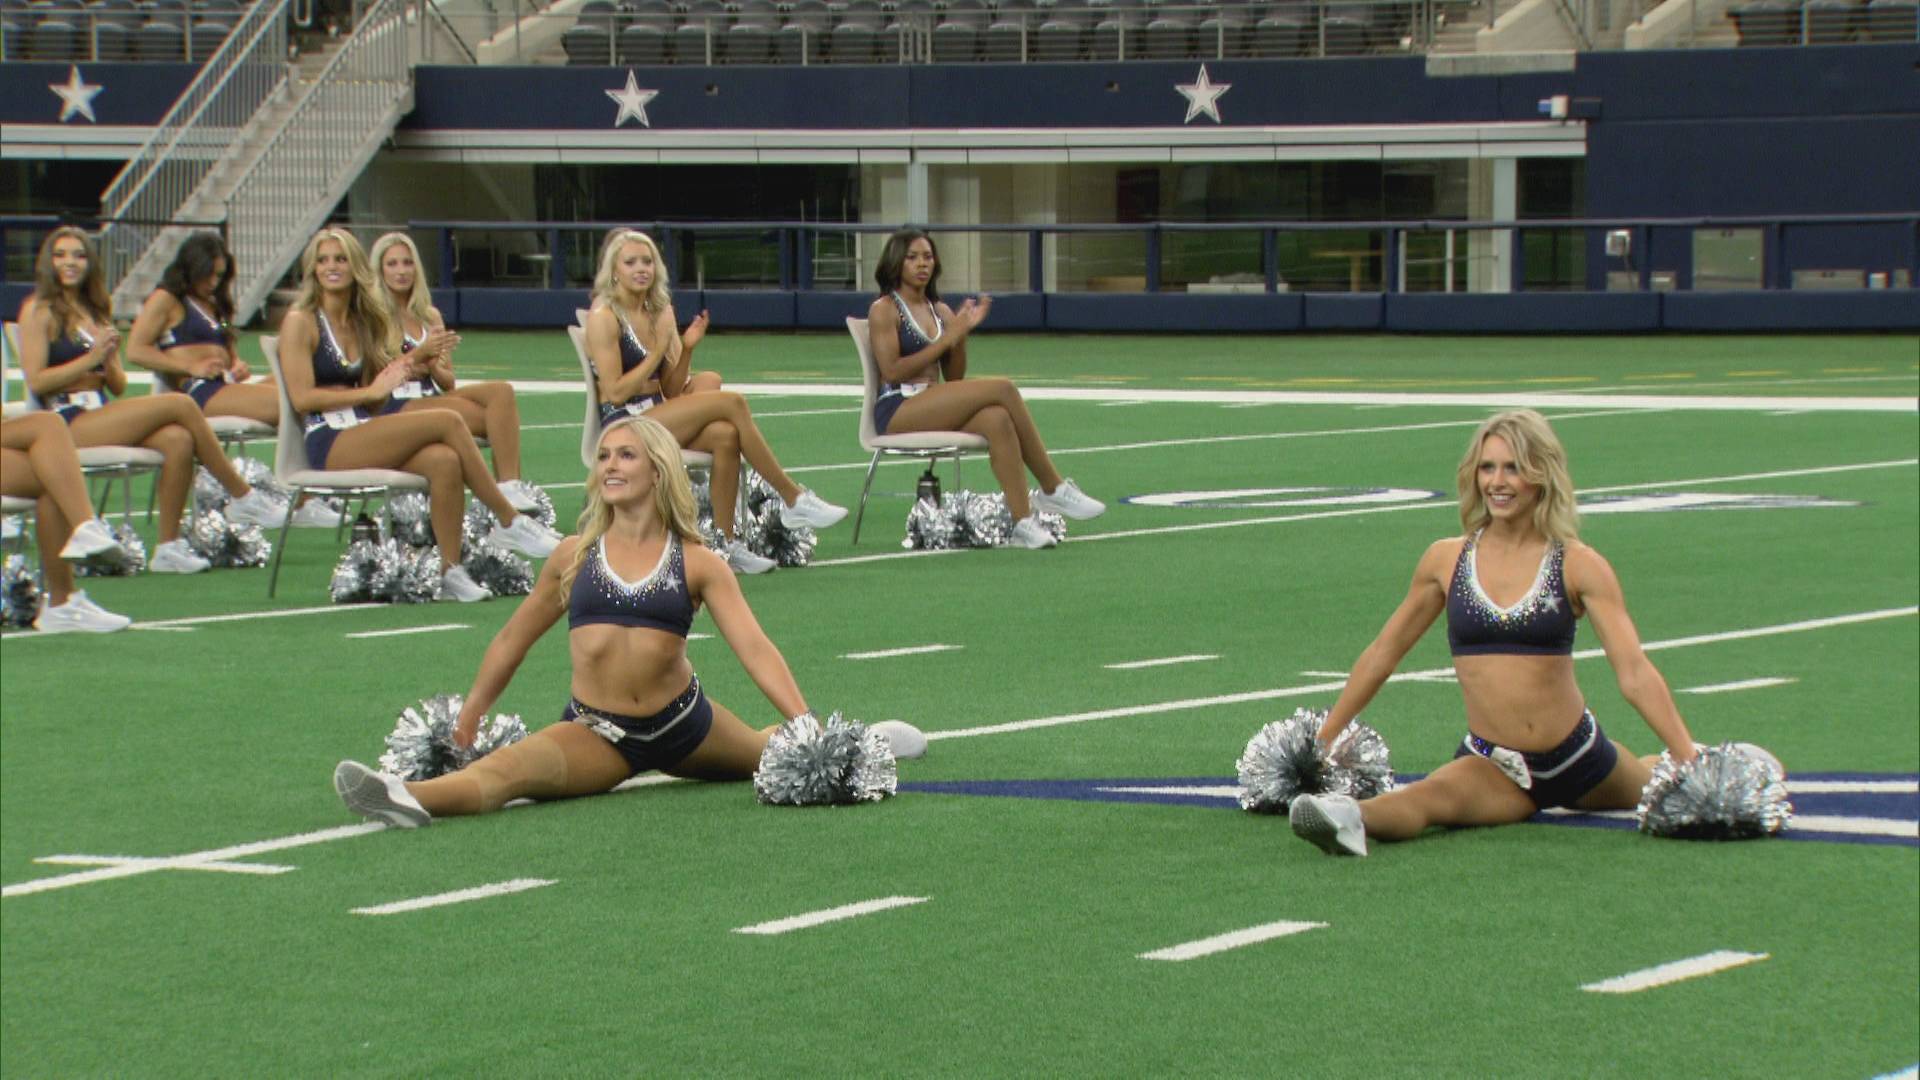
x=67, y=348
x=912, y=338
x=658, y=601
x=330, y=367
x=196, y=327
x=1541, y=623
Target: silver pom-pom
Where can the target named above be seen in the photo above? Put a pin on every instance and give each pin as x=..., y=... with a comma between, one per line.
x=810, y=764
x=19, y=593
x=352, y=575
x=500, y=571
x=930, y=525
x=132, y=558
x=969, y=519
x=479, y=521
x=219, y=541
x=1725, y=793
x=765, y=534
x=386, y=571
x=411, y=518
x=207, y=492
x=1282, y=761
x=422, y=747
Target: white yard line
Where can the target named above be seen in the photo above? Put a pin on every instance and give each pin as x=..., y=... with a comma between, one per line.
x=190, y=861
x=411, y=630
x=911, y=650
x=1743, y=684
x=817, y=918
x=458, y=896
x=123, y=860
x=1852, y=787
x=1691, y=968
x=1252, y=935
x=1134, y=665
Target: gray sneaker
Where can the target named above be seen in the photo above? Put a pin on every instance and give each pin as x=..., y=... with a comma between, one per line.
x=1332, y=822
x=90, y=537
x=811, y=511
x=457, y=584
x=378, y=797
x=1069, y=502
x=79, y=615
x=907, y=741
x=744, y=561
x=1028, y=533
x=175, y=557
x=257, y=507
x=526, y=536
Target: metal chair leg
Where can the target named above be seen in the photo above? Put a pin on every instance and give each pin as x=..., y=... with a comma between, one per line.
x=280, y=549
x=864, y=489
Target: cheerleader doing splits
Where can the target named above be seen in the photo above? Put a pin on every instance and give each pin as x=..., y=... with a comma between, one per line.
x=631, y=341
x=70, y=356
x=490, y=409
x=338, y=331
x=1512, y=589
x=38, y=462
x=919, y=341
x=629, y=585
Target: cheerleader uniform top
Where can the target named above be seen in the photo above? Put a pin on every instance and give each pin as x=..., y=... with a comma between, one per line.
x=330, y=368
x=196, y=327
x=658, y=601
x=414, y=388
x=65, y=349
x=632, y=355
x=1540, y=623
x=912, y=340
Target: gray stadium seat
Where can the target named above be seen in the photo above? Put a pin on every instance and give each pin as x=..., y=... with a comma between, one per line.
x=56, y=39
x=955, y=43
x=1893, y=20
x=1058, y=40
x=160, y=41
x=746, y=43
x=1002, y=41
x=587, y=45
x=642, y=43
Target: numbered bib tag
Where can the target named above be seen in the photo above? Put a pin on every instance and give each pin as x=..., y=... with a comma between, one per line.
x=640, y=405
x=410, y=389
x=341, y=419
x=86, y=399
x=907, y=390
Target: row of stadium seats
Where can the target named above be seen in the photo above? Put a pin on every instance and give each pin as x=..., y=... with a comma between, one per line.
x=1825, y=22
x=168, y=30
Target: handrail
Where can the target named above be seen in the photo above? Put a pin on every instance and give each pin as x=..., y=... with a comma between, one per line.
x=436, y=17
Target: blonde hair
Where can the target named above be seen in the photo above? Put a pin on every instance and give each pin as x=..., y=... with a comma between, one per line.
x=420, y=300
x=672, y=495
x=373, y=322
x=606, y=288
x=94, y=301
x=1543, y=463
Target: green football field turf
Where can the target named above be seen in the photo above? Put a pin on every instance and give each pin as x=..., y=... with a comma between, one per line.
x=213, y=727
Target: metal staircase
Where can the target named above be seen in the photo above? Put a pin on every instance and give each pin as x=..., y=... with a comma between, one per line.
x=258, y=145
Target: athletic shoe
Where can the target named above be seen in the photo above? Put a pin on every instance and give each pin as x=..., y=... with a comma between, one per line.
x=257, y=507
x=457, y=584
x=1332, y=822
x=378, y=797
x=1069, y=501
x=812, y=511
x=79, y=615
x=520, y=494
x=315, y=514
x=1772, y=763
x=1027, y=533
x=90, y=538
x=907, y=741
x=175, y=557
x=744, y=561
x=526, y=536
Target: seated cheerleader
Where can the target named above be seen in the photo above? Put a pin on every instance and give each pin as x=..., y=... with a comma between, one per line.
x=70, y=357
x=490, y=409
x=918, y=342
x=629, y=585
x=1512, y=587
x=38, y=462
x=184, y=335
x=338, y=332
x=634, y=349
x=681, y=376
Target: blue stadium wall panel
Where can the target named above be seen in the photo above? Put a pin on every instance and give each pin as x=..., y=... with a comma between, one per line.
x=1168, y=312
x=823, y=310
x=1524, y=313
x=1343, y=311
x=1886, y=309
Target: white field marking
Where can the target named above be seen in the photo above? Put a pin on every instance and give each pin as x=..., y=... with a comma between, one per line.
x=1133, y=665
x=1205, y=791
x=458, y=896
x=1855, y=826
x=911, y=650
x=189, y=861
x=1743, y=684
x=122, y=860
x=159, y=629
x=1788, y=412
x=816, y=918
x=1400, y=676
x=1252, y=935
x=1690, y=968
x=1852, y=787
x=411, y=630
x=1911, y=1072
x=1330, y=687
x=575, y=425
x=805, y=412
x=1125, y=404
x=699, y=637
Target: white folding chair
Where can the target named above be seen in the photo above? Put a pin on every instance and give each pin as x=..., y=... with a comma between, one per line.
x=297, y=474
x=590, y=428
x=919, y=444
x=107, y=463
x=234, y=432
x=9, y=344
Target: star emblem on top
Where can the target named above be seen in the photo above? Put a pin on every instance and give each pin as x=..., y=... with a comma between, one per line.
x=1203, y=96
x=633, y=102
x=76, y=95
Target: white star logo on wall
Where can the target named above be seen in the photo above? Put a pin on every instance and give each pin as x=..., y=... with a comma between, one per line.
x=1203, y=96
x=633, y=102
x=76, y=96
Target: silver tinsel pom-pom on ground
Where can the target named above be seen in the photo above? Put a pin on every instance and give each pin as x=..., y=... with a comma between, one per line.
x=500, y=571
x=422, y=747
x=479, y=520
x=19, y=593
x=967, y=519
x=386, y=571
x=810, y=764
x=219, y=541
x=410, y=518
x=1282, y=760
x=1725, y=793
x=764, y=532
x=132, y=560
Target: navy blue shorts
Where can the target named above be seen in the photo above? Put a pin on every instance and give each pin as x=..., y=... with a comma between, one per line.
x=610, y=413
x=659, y=741
x=202, y=390
x=883, y=410
x=58, y=405
x=320, y=444
x=1565, y=774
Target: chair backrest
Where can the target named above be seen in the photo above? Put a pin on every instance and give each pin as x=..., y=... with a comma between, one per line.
x=13, y=349
x=580, y=316
x=290, y=441
x=9, y=344
x=869, y=379
x=590, y=428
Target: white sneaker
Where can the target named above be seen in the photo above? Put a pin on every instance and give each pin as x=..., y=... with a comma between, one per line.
x=378, y=797
x=457, y=584
x=1332, y=822
x=811, y=511
x=79, y=615
x=744, y=561
x=1760, y=753
x=1027, y=533
x=175, y=557
x=315, y=514
x=526, y=536
x=1069, y=501
x=908, y=741
x=520, y=494
x=257, y=507
x=90, y=538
